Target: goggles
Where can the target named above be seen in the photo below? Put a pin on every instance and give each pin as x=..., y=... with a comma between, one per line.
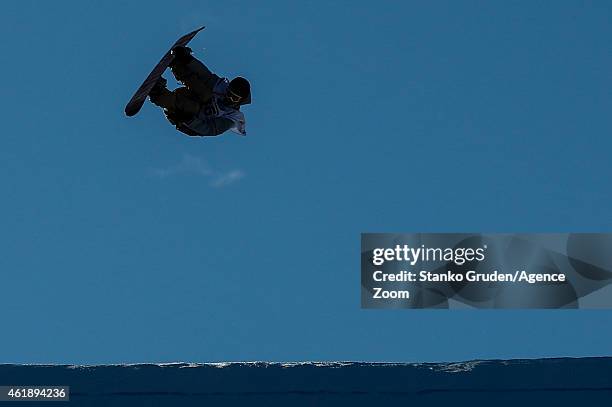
x=234, y=98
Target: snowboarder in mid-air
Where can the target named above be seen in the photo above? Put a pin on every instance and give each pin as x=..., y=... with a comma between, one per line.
x=206, y=105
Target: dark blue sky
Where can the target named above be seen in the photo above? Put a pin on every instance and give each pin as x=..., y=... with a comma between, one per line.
x=123, y=240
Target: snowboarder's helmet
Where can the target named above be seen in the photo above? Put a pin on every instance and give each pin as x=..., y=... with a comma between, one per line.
x=239, y=89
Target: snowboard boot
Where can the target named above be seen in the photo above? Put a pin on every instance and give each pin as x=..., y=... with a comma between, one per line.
x=182, y=56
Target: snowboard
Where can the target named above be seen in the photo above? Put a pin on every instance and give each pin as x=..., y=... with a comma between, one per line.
x=136, y=102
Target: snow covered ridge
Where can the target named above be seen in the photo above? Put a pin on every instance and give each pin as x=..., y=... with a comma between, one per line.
x=558, y=382
x=451, y=366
